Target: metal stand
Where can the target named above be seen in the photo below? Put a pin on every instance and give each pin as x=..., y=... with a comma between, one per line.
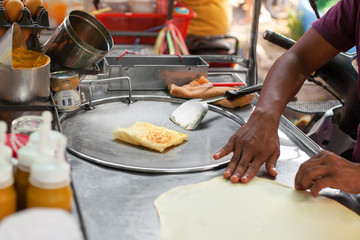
x=252, y=77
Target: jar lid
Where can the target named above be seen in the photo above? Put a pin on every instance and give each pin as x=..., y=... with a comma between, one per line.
x=63, y=74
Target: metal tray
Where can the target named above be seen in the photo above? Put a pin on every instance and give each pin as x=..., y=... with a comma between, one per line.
x=90, y=136
x=154, y=71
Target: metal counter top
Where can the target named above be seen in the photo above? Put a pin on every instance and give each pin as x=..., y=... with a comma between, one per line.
x=118, y=204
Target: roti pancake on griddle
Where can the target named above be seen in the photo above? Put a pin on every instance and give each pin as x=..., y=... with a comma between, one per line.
x=150, y=136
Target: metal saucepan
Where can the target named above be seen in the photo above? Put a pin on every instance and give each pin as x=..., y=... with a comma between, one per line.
x=189, y=114
x=21, y=85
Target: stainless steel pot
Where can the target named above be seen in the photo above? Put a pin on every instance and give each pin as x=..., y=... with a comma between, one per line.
x=79, y=42
x=25, y=85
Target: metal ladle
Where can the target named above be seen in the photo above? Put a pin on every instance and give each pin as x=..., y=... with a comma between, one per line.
x=12, y=39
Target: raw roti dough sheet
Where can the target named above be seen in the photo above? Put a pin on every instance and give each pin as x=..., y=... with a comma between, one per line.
x=262, y=209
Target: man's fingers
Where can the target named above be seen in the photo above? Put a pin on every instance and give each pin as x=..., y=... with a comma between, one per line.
x=319, y=184
x=252, y=170
x=314, y=161
x=232, y=165
x=271, y=163
x=239, y=170
x=241, y=166
x=248, y=156
x=311, y=175
x=226, y=150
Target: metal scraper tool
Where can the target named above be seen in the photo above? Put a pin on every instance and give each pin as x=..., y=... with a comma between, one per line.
x=190, y=113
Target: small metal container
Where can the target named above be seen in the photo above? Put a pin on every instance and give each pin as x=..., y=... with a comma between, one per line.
x=79, y=42
x=65, y=89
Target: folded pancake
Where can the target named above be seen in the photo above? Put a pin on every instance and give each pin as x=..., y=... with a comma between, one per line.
x=150, y=136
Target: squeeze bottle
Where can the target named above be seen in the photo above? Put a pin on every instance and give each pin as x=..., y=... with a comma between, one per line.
x=31, y=153
x=7, y=190
x=50, y=181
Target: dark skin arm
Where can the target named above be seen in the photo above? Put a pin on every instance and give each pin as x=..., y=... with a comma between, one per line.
x=257, y=142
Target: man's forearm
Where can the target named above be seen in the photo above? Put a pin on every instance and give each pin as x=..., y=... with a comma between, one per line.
x=283, y=81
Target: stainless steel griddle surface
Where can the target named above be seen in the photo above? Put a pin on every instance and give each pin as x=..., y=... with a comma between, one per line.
x=90, y=136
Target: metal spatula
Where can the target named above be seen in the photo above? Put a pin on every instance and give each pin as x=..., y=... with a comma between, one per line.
x=189, y=114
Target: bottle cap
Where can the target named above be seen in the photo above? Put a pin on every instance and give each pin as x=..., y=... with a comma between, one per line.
x=53, y=136
x=6, y=169
x=38, y=144
x=28, y=154
x=45, y=131
x=50, y=173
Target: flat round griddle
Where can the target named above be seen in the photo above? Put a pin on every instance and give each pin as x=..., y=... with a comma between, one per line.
x=90, y=135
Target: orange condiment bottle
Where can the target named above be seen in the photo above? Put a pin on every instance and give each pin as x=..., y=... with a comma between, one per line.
x=49, y=198
x=7, y=190
x=50, y=182
x=28, y=154
x=7, y=200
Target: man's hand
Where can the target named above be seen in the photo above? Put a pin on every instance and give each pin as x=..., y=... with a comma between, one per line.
x=253, y=144
x=327, y=169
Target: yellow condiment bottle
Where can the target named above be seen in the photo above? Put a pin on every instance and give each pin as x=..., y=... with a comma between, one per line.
x=50, y=182
x=28, y=154
x=7, y=190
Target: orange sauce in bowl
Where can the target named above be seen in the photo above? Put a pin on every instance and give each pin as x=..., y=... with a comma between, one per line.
x=27, y=59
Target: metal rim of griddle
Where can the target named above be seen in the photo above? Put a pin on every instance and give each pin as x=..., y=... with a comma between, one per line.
x=238, y=119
